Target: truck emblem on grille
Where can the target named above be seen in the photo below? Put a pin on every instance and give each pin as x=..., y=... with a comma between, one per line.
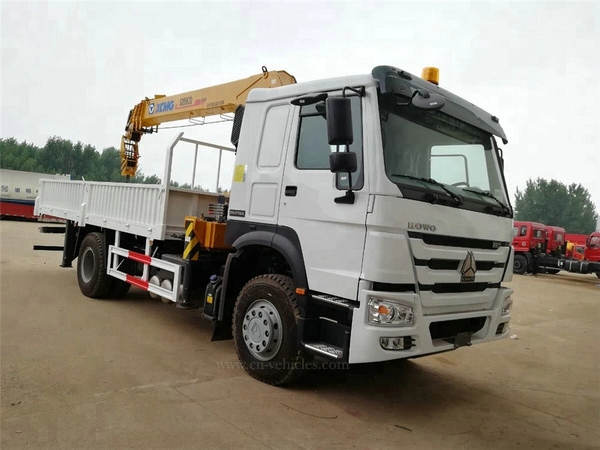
x=468, y=269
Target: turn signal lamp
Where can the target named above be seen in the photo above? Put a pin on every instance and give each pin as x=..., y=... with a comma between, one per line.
x=388, y=312
x=431, y=74
x=384, y=310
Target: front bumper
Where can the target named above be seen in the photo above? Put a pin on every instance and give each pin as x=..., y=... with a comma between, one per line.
x=365, y=337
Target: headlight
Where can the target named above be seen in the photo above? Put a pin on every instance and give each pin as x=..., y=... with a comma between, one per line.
x=507, y=305
x=389, y=312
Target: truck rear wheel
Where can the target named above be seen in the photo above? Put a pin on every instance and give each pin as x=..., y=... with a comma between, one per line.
x=520, y=264
x=265, y=329
x=93, y=280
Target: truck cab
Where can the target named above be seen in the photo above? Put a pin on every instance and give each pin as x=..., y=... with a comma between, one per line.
x=412, y=244
x=530, y=237
x=592, y=247
x=555, y=240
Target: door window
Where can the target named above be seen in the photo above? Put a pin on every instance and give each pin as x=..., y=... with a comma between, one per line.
x=313, y=149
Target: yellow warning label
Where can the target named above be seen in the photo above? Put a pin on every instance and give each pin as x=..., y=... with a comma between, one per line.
x=192, y=248
x=239, y=173
x=209, y=298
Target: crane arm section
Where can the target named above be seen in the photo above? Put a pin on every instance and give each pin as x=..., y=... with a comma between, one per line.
x=146, y=116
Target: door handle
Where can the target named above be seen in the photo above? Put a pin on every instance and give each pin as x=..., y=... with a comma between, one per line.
x=290, y=191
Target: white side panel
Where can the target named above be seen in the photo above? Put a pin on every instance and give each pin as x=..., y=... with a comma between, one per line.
x=132, y=208
x=60, y=199
x=256, y=187
x=263, y=199
x=147, y=210
x=273, y=136
x=387, y=257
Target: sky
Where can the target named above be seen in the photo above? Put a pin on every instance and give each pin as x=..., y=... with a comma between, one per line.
x=75, y=69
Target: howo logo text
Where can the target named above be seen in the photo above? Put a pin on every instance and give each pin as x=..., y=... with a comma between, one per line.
x=421, y=226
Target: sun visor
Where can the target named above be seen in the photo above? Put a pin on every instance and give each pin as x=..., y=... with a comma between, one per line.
x=402, y=83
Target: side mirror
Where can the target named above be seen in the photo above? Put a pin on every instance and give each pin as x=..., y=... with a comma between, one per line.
x=339, y=121
x=343, y=162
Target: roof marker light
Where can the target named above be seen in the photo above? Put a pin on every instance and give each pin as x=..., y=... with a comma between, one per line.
x=431, y=74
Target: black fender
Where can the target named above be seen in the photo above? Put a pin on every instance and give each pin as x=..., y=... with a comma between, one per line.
x=285, y=241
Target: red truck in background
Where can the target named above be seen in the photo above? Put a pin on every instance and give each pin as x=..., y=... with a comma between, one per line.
x=529, y=239
x=548, y=248
x=577, y=252
x=555, y=241
x=583, y=247
x=577, y=239
x=592, y=248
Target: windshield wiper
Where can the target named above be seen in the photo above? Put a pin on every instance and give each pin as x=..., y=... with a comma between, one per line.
x=504, y=210
x=458, y=200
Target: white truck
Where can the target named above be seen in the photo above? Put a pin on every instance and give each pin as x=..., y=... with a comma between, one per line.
x=368, y=220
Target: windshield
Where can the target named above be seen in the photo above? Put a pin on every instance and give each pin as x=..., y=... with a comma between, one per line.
x=429, y=151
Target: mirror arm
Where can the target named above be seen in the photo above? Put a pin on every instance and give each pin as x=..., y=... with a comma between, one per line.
x=348, y=197
x=360, y=91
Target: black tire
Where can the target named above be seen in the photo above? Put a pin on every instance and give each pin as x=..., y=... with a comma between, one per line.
x=118, y=289
x=267, y=346
x=520, y=264
x=552, y=271
x=93, y=280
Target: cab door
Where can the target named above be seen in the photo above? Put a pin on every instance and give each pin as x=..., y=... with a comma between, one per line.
x=331, y=235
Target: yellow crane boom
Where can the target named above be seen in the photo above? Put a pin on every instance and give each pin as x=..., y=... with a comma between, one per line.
x=146, y=116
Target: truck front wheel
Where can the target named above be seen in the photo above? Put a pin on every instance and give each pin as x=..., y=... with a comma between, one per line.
x=93, y=280
x=265, y=328
x=520, y=264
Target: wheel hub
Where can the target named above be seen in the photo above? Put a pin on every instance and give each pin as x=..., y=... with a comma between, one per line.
x=88, y=265
x=262, y=330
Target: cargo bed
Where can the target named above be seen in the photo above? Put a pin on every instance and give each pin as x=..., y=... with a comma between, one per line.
x=149, y=210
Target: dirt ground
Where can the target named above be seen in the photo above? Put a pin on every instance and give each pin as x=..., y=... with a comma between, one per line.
x=135, y=373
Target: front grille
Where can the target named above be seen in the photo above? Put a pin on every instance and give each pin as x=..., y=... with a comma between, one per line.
x=393, y=287
x=453, y=241
x=451, y=288
x=450, y=328
x=453, y=264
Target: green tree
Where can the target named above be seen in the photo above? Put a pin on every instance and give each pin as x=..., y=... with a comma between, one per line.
x=62, y=156
x=554, y=203
x=146, y=179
